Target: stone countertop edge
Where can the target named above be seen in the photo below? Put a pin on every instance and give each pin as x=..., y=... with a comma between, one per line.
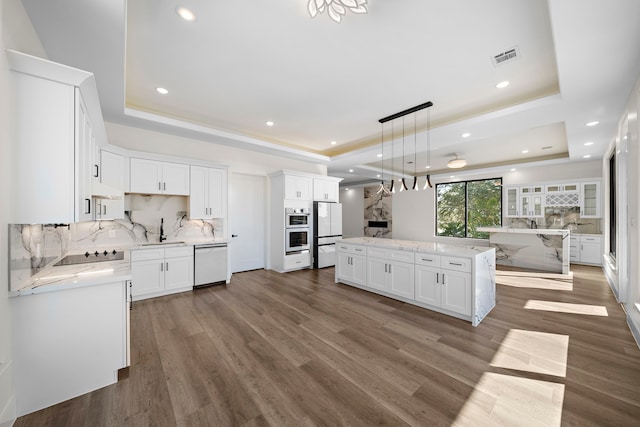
x=418, y=246
x=556, y=231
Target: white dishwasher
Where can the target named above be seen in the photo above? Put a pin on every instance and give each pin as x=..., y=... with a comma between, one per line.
x=210, y=264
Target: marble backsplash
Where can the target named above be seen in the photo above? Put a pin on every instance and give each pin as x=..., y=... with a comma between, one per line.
x=33, y=246
x=560, y=218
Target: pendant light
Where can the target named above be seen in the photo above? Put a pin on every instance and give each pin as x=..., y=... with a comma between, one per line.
x=415, y=176
x=392, y=189
x=403, y=186
x=427, y=183
x=382, y=188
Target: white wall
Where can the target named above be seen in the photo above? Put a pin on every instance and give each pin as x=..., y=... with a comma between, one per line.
x=18, y=34
x=239, y=161
x=352, y=211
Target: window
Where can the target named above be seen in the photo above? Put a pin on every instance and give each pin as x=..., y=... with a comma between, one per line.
x=462, y=207
x=612, y=205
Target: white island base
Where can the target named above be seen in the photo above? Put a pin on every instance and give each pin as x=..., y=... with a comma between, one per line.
x=455, y=280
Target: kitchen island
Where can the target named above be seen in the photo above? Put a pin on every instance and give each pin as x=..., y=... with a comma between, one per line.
x=457, y=280
x=545, y=249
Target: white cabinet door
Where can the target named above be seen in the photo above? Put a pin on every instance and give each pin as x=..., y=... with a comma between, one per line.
x=532, y=206
x=198, y=196
x=146, y=176
x=377, y=271
x=359, y=265
x=512, y=202
x=344, y=269
x=590, y=200
x=591, y=253
x=297, y=187
x=325, y=190
x=428, y=287
x=147, y=276
x=217, y=193
x=111, y=174
x=401, y=279
x=83, y=160
x=456, y=292
x=178, y=273
x=175, y=179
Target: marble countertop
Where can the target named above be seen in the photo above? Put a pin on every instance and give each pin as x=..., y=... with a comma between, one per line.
x=185, y=242
x=553, y=231
x=415, y=246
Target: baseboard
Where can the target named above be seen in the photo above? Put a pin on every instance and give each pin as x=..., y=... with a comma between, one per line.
x=635, y=330
x=7, y=397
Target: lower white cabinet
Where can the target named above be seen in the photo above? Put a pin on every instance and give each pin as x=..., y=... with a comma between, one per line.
x=161, y=271
x=394, y=277
x=586, y=249
x=444, y=283
x=351, y=264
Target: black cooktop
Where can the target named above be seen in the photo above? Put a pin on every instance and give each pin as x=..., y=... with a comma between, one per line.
x=88, y=257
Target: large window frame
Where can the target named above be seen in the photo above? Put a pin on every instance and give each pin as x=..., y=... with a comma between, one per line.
x=497, y=181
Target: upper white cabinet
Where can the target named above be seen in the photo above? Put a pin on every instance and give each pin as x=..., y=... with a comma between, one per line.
x=533, y=189
x=512, y=202
x=297, y=187
x=563, y=188
x=325, y=190
x=111, y=173
x=532, y=205
x=590, y=200
x=208, y=195
x=154, y=177
x=56, y=120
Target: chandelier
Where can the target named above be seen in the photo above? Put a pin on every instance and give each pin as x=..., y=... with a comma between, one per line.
x=336, y=8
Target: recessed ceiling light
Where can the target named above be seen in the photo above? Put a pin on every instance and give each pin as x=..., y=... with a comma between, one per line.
x=466, y=135
x=502, y=85
x=378, y=176
x=162, y=90
x=351, y=170
x=593, y=123
x=333, y=142
x=270, y=123
x=453, y=176
x=588, y=143
x=586, y=156
x=513, y=169
x=427, y=167
x=379, y=155
x=525, y=151
x=346, y=189
x=186, y=14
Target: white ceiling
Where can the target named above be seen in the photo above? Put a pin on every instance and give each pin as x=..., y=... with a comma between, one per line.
x=242, y=63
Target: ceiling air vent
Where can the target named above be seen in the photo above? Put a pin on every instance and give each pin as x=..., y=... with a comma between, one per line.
x=508, y=55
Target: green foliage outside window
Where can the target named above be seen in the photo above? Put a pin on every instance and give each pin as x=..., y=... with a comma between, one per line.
x=462, y=207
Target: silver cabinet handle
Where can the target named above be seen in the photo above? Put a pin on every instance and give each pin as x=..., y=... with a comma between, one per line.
x=443, y=277
x=389, y=268
x=437, y=277
x=358, y=250
x=162, y=266
x=97, y=174
x=164, y=185
x=427, y=259
x=385, y=267
x=159, y=185
x=167, y=266
x=455, y=263
x=104, y=209
x=88, y=210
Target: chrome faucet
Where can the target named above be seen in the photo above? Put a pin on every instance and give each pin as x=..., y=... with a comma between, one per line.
x=162, y=235
x=533, y=224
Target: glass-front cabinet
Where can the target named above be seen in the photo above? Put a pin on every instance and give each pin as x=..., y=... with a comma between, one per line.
x=590, y=200
x=532, y=206
x=562, y=188
x=511, y=206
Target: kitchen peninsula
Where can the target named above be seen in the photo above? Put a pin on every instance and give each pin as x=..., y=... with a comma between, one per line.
x=541, y=249
x=457, y=280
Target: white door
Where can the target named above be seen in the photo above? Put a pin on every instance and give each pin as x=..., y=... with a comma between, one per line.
x=247, y=217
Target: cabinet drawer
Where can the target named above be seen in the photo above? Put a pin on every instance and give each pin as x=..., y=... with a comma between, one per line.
x=574, y=239
x=457, y=264
x=297, y=261
x=402, y=256
x=178, y=251
x=147, y=254
x=427, y=259
x=592, y=239
x=349, y=248
x=378, y=252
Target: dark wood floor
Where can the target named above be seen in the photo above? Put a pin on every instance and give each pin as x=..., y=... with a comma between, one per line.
x=298, y=350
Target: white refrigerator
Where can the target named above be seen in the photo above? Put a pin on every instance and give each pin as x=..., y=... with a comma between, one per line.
x=327, y=229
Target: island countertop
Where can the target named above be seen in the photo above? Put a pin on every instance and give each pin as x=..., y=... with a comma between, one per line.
x=552, y=231
x=416, y=246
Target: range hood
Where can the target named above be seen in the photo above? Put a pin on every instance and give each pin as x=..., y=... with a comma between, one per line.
x=103, y=191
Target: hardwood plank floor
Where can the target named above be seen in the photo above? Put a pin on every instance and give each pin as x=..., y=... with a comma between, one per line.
x=297, y=349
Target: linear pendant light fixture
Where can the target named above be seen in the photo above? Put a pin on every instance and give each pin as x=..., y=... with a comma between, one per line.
x=396, y=116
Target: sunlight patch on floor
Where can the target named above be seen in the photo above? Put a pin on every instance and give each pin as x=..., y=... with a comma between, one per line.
x=534, y=280
x=533, y=351
x=504, y=400
x=565, y=307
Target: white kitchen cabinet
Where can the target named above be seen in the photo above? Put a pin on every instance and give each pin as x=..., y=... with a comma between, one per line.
x=532, y=189
x=154, y=177
x=325, y=190
x=586, y=249
x=161, y=271
x=590, y=200
x=391, y=271
x=532, y=205
x=111, y=172
x=350, y=264
x=512, y=202
x=55, y=120
x=68, y=342
x=297, y=187
x=444, y=283
x=572, y=187
x=208, y=193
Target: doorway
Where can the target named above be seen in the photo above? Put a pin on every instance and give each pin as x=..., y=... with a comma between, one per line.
x=248, y=216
